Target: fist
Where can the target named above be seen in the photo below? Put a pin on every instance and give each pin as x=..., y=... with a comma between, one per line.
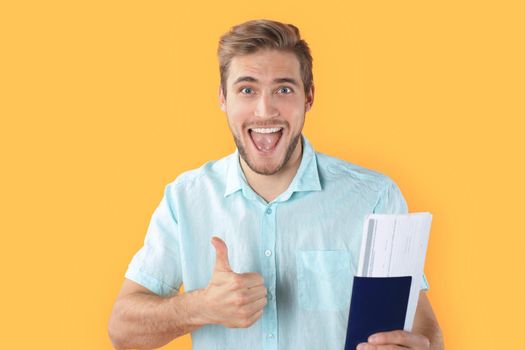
x=234, y=300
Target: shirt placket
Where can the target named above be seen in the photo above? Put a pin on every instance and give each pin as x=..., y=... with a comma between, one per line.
x=269, y=319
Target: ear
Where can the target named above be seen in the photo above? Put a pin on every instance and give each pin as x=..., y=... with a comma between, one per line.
x=309, y=98
x=222, y=99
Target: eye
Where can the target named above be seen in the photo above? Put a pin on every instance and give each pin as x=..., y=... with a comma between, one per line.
x=284, y=90
x=246, y=91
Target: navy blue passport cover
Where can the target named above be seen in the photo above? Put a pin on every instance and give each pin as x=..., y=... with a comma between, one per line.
x=378, y=304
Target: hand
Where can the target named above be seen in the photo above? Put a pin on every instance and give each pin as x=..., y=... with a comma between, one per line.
x=235, y=300
x=396, y=340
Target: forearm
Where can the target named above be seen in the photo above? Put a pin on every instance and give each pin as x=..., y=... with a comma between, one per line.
x=145, y=321
x=436, y=340
x=433, y=333
x=425, y=323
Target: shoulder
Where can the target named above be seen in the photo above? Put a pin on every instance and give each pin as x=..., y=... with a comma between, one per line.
x=337, y=172
x=212, y=173
x=377, y=190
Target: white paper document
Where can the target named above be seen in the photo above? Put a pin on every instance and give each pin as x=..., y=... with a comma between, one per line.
x=395, y=245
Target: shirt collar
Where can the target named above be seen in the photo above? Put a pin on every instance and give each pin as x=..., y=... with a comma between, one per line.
x=306, y=178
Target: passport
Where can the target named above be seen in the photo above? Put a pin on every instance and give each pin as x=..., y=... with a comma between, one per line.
x=378, y=304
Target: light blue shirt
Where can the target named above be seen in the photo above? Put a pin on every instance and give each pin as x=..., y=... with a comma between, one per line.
x=305, y=243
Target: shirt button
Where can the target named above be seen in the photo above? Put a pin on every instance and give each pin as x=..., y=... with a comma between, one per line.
x=267, y=252
x=268, y=211
x=270, y=335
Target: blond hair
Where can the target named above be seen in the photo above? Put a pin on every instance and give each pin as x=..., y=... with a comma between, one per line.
x=251, y=36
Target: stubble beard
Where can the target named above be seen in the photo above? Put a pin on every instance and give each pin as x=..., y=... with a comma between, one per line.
x=264, y=170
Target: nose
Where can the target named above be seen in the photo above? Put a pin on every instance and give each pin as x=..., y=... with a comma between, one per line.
x=265, y=107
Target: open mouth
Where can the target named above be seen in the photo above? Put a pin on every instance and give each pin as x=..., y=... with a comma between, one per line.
x=266, y=139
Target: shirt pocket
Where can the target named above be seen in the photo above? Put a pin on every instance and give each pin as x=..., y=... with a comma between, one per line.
x=325, y=279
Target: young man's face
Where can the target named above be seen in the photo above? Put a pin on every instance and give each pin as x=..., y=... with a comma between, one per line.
x=266, y=105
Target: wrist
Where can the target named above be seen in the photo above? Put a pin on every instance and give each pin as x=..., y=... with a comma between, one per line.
x=199, y=311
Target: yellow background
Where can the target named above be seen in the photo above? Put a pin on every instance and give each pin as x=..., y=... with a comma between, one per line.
x=102, y=103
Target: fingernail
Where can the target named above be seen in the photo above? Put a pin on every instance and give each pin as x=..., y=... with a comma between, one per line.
x=361, y=346
x=372, y=338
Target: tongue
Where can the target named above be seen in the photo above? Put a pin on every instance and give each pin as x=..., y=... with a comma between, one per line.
x=265, y=142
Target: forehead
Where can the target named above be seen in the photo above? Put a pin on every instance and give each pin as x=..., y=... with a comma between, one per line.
x=265, y=65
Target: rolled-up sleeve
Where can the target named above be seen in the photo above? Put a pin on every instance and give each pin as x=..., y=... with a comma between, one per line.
x=157, y=265
x=391, y=201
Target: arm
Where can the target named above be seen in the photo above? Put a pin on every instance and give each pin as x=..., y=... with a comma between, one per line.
x=425, y=322
x=425, y=335
x=141, y=319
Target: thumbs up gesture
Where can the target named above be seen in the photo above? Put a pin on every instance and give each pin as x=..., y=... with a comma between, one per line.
x=235, y=300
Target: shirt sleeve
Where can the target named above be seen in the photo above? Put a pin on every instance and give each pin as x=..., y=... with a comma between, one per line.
x=157, y=265
x=391, y=201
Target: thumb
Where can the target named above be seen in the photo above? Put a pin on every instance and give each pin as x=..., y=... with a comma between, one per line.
x=221, y=255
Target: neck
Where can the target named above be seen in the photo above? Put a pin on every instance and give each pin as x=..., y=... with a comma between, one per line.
x=271, y=186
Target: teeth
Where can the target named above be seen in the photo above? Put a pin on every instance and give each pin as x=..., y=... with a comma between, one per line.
x=266, y=130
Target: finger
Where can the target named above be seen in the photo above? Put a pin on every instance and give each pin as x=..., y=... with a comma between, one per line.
x=253, y=318
x=256, y=293
x=403, y=338
x=363, y=346
x=249, y=296
x=221, y=255
x=253, y=279
x=368, y=346
x=256, y=306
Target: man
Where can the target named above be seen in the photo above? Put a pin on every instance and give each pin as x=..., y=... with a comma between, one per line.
x=265, y=240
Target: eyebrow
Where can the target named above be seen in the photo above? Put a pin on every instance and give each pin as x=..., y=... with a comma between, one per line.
x=276, y=81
